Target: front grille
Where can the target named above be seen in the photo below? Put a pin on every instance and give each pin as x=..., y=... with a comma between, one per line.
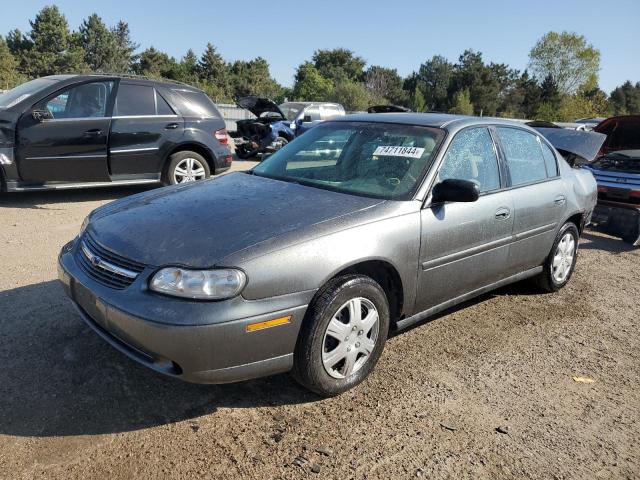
x=106, y=267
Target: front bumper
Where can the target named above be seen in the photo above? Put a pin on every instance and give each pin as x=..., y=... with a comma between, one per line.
x=200, y=342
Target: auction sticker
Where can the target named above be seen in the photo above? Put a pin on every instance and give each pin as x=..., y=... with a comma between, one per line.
x=394, y=151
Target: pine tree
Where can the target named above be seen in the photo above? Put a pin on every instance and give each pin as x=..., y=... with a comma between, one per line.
x=8, y=66
x=99, y=44
x=125, y=56
x=214, y=73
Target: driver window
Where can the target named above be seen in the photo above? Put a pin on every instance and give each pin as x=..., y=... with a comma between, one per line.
x=472, y=156
x=313, y=112
x=88, y=100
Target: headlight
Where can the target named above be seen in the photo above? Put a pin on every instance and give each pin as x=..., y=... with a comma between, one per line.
x=199, y=284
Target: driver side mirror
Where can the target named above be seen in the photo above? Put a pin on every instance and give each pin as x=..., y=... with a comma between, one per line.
x=41, y=115
x=454, y=190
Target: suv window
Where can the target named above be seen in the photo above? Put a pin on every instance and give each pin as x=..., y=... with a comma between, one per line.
x=523, y=155
x=88, y=100
x=135, y=100
x=549, y=160
x=328, y=111
x=162, y=105
x=472, y=156
x=196, y=103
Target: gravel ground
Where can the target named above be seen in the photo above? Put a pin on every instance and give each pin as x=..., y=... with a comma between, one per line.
x=485, y=391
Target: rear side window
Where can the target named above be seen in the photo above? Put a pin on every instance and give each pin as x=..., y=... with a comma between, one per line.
x=549, y=160
x=312, y=114
x=135, y=100
x=523, y=155
x=472, y=156
x=196, y=103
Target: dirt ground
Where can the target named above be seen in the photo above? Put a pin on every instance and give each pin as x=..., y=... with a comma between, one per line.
x=485, y=391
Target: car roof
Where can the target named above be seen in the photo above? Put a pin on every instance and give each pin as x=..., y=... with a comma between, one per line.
x=445, y=121
x=137, y=79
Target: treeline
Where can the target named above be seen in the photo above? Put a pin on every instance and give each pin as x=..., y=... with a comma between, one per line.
x=560, y=84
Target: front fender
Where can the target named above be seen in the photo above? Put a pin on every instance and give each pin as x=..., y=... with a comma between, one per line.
x=310, y=264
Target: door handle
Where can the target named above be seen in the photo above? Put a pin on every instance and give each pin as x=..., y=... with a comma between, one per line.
x=560, y=200
x=503, y=213
x=95, y=132
x=171, y=126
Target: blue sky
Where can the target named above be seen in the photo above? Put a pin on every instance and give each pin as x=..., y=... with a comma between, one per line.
x=399, y=34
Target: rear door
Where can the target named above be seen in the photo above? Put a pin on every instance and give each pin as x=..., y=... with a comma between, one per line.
x=70, y=142
x=538, y=195
x=465, y=246
x=144, y=130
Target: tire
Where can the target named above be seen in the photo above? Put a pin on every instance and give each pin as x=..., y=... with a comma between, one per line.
x=199, y=169
x=246, y=154
x=351, y=358
x=554, y=277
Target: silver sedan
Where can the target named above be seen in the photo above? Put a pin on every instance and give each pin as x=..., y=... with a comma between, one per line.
x=363, y=225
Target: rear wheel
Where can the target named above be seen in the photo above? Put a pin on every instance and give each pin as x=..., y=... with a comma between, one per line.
x=343, y=335
x=185, y=167
x=561, y=262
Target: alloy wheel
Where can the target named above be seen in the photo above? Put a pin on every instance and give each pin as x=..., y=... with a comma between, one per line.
x=189, y=170
x=563, y=258
x=350, y=337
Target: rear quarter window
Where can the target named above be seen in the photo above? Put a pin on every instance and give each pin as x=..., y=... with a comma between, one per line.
x=197, y=104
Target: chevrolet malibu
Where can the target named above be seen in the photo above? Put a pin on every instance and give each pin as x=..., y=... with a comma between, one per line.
x=364, y=225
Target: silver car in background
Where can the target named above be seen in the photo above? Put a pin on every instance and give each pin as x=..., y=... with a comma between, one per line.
x=363, y=225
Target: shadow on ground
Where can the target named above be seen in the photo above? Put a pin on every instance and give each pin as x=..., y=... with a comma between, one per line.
x=592, y=240
x=59, y=378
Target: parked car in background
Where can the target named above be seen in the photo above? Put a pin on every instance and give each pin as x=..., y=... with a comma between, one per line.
x=388, y=109
x=617, y=172
x=308, y=261
x=276, y=125
x=68, y=131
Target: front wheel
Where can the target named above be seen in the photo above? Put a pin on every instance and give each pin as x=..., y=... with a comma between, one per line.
x=186, y=167
x=342, y=336
x=561, y=262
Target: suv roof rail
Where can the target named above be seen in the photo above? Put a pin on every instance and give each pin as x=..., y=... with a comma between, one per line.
x=133, y=76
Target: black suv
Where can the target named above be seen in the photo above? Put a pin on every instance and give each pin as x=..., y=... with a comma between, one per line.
x=89, y=130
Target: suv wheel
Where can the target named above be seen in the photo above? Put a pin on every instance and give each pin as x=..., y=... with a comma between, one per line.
x=343, y=335
x=184, y=167
x=561, y=262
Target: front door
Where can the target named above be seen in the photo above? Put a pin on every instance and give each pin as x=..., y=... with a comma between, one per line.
x=69, y=141
x=465, y=246
x=144, y=128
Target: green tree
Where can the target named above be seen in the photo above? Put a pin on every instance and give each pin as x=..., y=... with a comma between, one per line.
x=416, y=100
x=125, y=56
x=310, y=85
x=625, y=99
x=154, y=63
x=339, y=64
x=550, y=93
x=353, y=96
x=253, y=78
x=99, y=44
x=188, y=68
x=214, y=73
x=462, y=103
x=483, y=84
x=9, y=76
x=435, y=77
x=51, y=47
x=568, y=59
x=385, y=84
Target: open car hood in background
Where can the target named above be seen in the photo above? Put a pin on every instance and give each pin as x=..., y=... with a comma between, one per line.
x=259, y=105
x=585, y=145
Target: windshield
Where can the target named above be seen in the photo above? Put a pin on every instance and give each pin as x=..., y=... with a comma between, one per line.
x=291, y=110
x=620, y=162
x=380, y=160
x=16, y=95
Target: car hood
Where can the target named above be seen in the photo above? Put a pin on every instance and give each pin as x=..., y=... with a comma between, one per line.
x=259, y=105
x=198, y=225
x=585, y=145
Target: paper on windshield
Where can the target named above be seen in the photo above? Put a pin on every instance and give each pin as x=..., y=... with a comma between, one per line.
x=398, y=151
